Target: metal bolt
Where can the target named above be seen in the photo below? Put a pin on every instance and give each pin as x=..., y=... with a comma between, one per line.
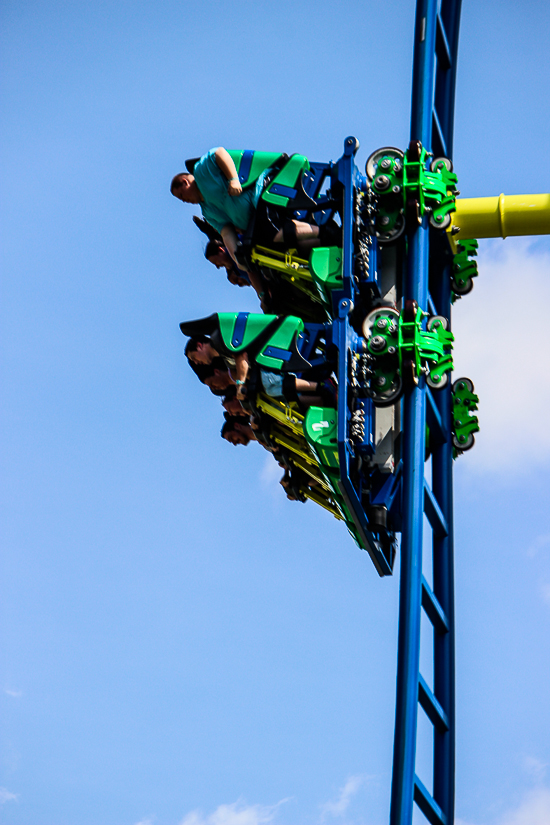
x=439, y=218
x=382, y=182
x=436, y=378
x=392, y=350
x=381, y=323
x=380, y=381
x=377, y=343
x=384, y=220
x=386, y=163
x=396, y=189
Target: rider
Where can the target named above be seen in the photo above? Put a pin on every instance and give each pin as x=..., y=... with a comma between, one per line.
x=214, y=185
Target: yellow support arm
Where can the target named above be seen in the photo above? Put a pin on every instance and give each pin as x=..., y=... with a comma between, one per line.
x=502, y=216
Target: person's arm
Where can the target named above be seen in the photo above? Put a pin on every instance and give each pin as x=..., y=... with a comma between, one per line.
x=228, y=168
x=241, y=368
x=230, y=239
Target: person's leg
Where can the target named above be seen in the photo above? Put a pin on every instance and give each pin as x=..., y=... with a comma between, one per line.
x=306, y=386
x=327, y=393
x=307, y=401
x=298, y=233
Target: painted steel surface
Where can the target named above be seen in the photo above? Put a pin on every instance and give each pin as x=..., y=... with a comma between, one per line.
x=502, y=216
x=436, y=35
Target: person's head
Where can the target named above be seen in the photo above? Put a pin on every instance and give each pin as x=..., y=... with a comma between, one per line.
x=199, y=350
x=236, y=279
x=217, y=254
x=220, y=380
x=236, y=430
x=217, y=380
x=230, y=402
x=184, y=187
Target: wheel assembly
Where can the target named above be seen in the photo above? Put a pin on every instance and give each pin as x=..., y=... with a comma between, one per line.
x=373, y=165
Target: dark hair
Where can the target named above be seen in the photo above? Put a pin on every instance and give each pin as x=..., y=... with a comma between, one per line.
x=236, y=419
x=212, y=248
x=231, y=421
x=191, y=345
x=176, y=181
x=230, y=393
x=202, y=371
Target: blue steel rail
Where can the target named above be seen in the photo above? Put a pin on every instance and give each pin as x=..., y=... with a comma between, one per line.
x=434, y=73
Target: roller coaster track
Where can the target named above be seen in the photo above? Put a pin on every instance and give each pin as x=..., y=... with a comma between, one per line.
x=433, y=92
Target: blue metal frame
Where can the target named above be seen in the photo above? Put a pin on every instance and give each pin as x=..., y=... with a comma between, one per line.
x=434, y=72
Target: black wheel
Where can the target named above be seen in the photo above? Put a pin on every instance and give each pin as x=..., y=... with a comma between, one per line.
x=442, y=224
x=372, y=162
x=414, y=151
x=436, y=162
x=438, y=385
x=462, y=288
x=463, y=384
x=469, y=442
x=388, y=398
x=394, y=234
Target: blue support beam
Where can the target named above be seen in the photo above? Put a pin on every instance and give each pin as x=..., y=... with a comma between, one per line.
x=434, y=74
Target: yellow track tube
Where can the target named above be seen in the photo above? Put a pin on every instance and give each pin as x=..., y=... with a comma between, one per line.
x=502, y=216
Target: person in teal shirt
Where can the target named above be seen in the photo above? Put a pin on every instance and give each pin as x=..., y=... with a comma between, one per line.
x=214, y=185
x=220, y=205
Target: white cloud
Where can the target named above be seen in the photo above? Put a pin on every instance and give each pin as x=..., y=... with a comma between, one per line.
x=534, y=810
x=7, y=796
x=145, y=822
x=17, y=694
x=535, y=768
x=545, y=593
x=237, y=813
x=501, y=332
x=271, y=473
x=539, y=543
x=340, y=805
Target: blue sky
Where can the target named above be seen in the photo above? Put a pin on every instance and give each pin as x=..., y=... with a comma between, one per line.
x=180, y=644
